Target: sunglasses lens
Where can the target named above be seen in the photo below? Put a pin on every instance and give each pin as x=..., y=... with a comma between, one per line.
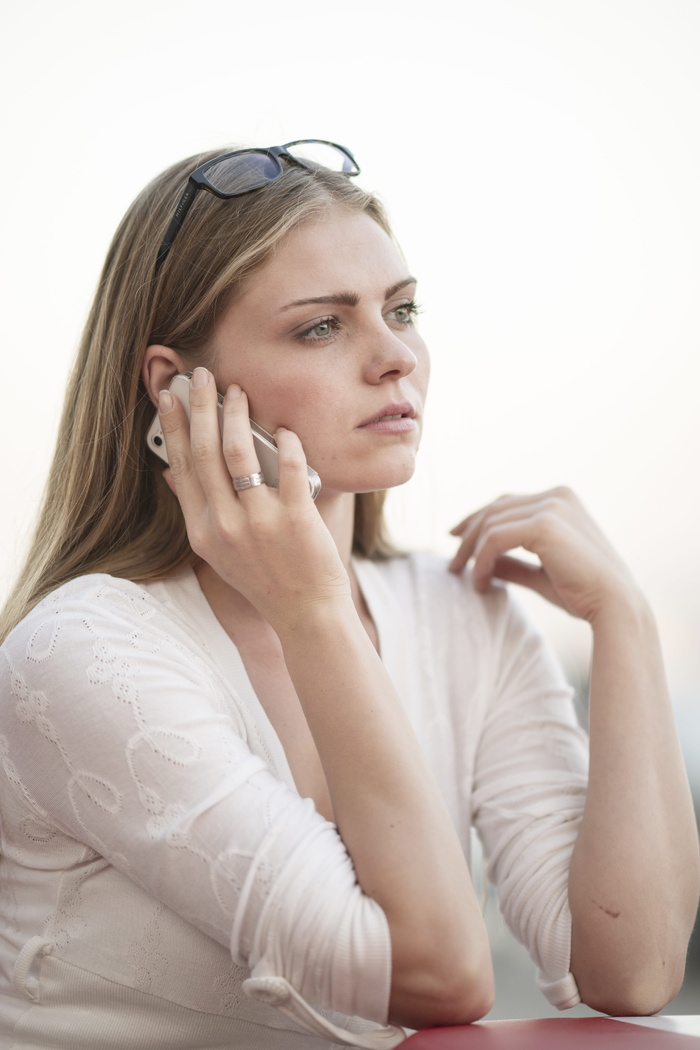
x=242, y=172
x=323, y=154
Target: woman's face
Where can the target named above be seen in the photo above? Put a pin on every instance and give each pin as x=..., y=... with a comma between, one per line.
x=322, y=341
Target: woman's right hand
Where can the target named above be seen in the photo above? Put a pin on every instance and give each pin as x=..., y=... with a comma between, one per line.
x=270, y=545
x=274, y=548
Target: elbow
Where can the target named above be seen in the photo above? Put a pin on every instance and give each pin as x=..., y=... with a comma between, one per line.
x=635, y=995
x=434, y=994
x=468, y=999
x=637, y=973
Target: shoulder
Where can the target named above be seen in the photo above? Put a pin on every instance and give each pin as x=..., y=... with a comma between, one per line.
x=99, y=653
x=423, y=580
x=96, y=620
x=447, y=610
x=87, y=602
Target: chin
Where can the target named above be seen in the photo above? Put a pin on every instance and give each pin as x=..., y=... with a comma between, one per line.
x=355, y=474
x=378, y=480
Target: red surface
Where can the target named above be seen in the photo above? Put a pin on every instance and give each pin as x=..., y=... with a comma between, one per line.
x=552, y=1033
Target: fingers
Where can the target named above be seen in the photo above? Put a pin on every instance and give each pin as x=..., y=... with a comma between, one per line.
x=242, y=459
x=474, y=528
x=197, y=465
x=218, y=446
x=507, y=523
x=469, y=528
x=493, y=541
x=239, y=453
x=271, y=545
x=526, y=574
x=181, y=475
x=502, y=501
x=205, y=434
x=293, y=474
x=578, y=570
x=168, y=478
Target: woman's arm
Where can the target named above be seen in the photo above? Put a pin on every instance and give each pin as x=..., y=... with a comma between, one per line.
x=633, y=885
x=634, y=876
x=275, y=549
x=393, y=822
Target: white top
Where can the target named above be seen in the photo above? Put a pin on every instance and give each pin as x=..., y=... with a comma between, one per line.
x=155, y=853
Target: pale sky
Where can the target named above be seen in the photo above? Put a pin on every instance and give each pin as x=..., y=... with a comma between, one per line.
x=541, y=162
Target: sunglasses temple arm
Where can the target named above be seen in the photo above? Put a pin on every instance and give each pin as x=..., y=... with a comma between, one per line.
x=176, y=221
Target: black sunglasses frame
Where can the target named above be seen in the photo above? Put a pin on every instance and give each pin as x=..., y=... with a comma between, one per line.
x=198, y=181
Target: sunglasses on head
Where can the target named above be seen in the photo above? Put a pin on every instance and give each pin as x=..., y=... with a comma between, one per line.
x=245, y=170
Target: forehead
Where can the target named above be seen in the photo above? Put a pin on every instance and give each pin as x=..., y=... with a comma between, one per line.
x=340, y=251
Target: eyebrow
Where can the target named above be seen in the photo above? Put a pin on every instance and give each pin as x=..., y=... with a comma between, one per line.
x=348, y=298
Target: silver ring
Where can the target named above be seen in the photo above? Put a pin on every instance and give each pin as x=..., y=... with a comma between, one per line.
x=248, y=481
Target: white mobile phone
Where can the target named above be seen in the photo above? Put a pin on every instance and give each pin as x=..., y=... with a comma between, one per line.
x=265, y=446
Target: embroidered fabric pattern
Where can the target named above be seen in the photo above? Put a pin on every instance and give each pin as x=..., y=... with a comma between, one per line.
x=151, y=844
x=155, y=796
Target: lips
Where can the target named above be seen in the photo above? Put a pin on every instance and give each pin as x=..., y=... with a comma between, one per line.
x=392, y=412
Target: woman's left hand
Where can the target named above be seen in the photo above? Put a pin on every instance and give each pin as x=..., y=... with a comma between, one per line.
x=579, y=570
x=636, y=854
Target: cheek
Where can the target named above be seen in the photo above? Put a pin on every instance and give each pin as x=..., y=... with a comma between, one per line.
x=307, y=404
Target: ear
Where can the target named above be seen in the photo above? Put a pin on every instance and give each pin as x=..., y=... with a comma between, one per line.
x=160, y=365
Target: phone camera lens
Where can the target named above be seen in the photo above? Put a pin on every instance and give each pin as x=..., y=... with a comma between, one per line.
x=157, y=440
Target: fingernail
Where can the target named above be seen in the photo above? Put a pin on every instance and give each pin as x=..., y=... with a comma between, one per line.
x=233, y=392
x=165, y=402
x=200, y=377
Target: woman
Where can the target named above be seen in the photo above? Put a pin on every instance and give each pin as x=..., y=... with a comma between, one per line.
x=244, y=741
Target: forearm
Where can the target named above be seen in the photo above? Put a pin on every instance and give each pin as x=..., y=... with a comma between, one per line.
x=392, y=818
x=633, y=884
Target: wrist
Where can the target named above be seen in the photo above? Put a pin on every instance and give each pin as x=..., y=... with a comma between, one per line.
x=315, y=618
x=625, y=610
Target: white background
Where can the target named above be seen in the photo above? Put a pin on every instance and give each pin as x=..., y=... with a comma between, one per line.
x=541, y=162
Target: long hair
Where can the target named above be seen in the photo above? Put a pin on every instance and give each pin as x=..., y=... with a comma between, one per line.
x=106, y=507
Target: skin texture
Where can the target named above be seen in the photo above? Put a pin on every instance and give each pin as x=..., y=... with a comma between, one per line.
x=319, y=344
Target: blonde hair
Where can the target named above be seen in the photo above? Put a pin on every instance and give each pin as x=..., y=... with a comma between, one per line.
x=106, y=507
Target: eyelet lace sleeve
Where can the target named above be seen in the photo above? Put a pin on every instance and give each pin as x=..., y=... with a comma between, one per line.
x=120, y=736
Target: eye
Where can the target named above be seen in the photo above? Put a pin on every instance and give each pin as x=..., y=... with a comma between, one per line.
x=405, y=313
x=321, y=331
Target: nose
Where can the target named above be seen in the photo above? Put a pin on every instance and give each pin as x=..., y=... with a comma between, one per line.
x=388, y=357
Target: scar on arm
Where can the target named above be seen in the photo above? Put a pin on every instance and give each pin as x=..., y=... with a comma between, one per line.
x=608, y=911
